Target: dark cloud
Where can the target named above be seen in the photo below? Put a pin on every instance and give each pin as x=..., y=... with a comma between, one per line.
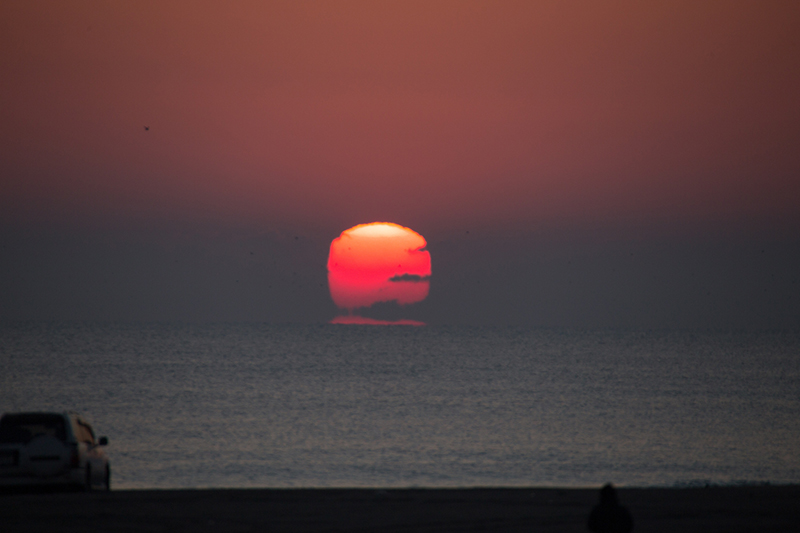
x=410, y=277
x=139, y=275
x=390, y=310
x=746, y=279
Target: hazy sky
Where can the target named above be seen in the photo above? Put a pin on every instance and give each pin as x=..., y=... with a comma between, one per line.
x=569, y=163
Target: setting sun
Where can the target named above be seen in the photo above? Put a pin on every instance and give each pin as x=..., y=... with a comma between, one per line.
x=378, y=262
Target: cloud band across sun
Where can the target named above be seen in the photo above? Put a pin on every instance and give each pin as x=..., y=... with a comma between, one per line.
x=410, y=277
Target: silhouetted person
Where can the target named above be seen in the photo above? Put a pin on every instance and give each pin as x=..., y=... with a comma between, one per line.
x=609, y=516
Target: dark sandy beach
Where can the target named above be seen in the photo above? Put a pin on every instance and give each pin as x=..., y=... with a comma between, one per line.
x=761, y=508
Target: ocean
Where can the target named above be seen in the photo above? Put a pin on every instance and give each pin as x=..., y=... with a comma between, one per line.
x=250, y=405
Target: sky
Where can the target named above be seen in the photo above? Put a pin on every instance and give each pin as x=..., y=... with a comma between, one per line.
x=614, y=164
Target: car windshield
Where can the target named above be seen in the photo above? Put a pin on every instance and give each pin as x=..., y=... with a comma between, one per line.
x=22, y=428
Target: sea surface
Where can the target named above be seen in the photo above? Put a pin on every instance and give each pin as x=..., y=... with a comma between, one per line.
x=248, y=405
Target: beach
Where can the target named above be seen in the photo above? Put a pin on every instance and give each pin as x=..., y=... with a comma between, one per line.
x=745, y=508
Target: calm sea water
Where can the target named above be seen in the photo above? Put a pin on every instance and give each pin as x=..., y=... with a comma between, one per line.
x=236, y=405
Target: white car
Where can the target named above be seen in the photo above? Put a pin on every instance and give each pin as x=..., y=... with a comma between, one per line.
x=51, y=449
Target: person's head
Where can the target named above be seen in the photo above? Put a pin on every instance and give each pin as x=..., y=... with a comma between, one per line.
x=608, y=495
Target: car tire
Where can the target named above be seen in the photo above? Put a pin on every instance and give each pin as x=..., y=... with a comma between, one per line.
x=108, y=478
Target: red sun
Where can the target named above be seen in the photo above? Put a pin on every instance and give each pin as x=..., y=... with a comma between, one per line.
x=378, y=262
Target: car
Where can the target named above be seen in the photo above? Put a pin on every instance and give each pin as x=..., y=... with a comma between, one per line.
x=52, y=449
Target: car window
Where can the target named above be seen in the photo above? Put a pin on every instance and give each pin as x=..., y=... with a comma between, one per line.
x=85, y=433
x=22, y=428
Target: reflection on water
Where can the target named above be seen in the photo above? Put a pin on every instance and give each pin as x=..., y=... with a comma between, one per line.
x=321, y=406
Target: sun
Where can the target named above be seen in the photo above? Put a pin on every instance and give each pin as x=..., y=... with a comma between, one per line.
x=378, y=262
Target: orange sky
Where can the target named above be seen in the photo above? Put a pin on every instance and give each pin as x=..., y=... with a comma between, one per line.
x=569, y=163
x=424, y=113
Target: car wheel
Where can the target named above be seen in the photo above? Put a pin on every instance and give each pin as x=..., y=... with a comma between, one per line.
x=88, y=487
x=108, y=478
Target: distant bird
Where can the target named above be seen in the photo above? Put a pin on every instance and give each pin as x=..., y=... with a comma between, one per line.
x=147, y=128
